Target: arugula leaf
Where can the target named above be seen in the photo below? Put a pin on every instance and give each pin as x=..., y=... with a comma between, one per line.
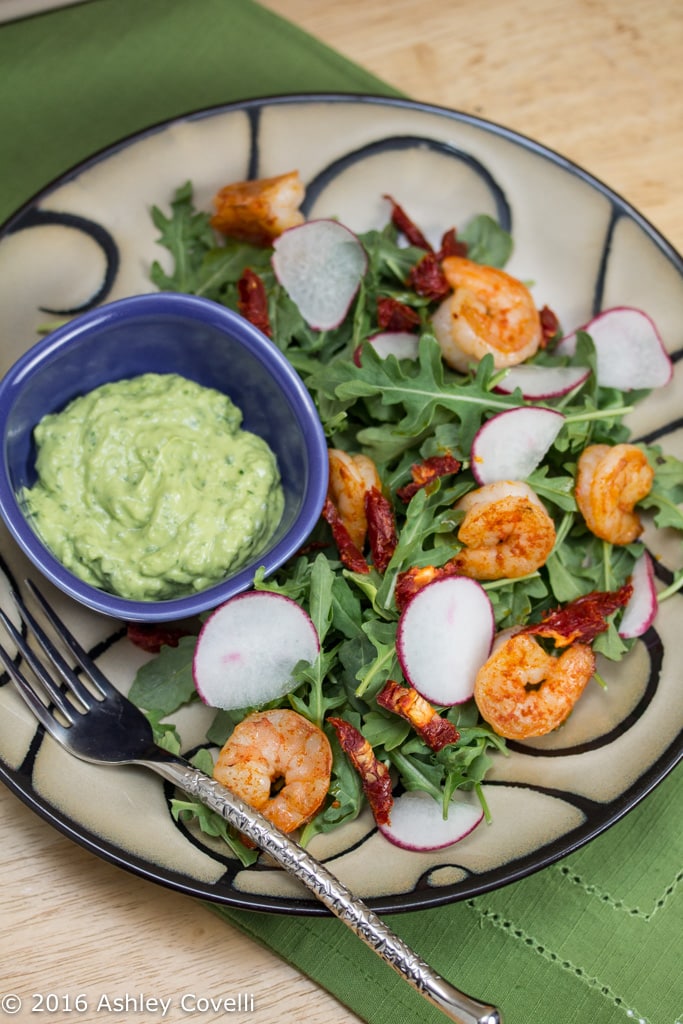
x=165, y=734
x=345, y=797
x=610, y=644
x=516, y=600
x=382, y=730
x=213, y=825
x=487, y=242
x=388, y=262
x=559, y=490
x=222, y=267
x=165, y=683
x=320, y=600
x=373, y=675
x=187, y=235
x=666, y=495
x=418, y=391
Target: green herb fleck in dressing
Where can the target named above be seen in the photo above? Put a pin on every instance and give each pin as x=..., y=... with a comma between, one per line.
x=149, y=488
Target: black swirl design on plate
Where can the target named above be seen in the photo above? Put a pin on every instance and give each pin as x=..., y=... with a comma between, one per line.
x=33, y=218
x=660, y=432
x=13, y=586
x=398, y=143
x=599, y=289
x=254, y=116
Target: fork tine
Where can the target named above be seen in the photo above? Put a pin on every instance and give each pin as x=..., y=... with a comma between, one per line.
x=72, y=681
x=49, y=685
x=97, y=677
x=30, y=698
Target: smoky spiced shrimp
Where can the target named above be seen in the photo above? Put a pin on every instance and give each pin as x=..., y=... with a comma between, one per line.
x=489, y=311
x=351, y=478
x=506, y=532
x=524, y=691
x=258, y=211
x=610, y=481
x=279, y=763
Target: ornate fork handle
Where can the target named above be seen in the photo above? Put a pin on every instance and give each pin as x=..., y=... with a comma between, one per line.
x=329, y=890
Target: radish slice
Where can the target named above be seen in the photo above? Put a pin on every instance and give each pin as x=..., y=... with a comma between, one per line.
x=443, y=638
x=630, y=352
x=536, y=382
x=247, y=649
x=320, y=265
x=401, y=344
x=512, y=444
x=641, y=609
x=417, y=822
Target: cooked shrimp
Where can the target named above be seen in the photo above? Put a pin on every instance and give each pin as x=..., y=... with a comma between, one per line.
x=351, y=477
x=258, y=211
x=278, y=748
x=524, y=691
x=610, y=481
x=506, y=532
x=489, y=311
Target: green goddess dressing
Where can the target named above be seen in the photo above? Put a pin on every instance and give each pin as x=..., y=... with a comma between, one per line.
x=148, y=487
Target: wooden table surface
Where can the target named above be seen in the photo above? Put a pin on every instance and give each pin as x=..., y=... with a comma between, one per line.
x=600, y=81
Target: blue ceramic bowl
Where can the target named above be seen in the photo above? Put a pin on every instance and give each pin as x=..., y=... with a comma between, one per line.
x=165, y=333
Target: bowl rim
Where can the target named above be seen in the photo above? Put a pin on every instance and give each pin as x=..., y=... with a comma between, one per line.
x=271, y=358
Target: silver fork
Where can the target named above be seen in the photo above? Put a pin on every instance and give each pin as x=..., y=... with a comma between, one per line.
x=102, y=726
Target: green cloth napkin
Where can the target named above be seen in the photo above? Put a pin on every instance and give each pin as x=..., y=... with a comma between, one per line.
x=594, y=938
x=73, y=81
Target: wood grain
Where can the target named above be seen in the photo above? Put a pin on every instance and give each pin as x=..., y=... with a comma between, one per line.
x=599, y=81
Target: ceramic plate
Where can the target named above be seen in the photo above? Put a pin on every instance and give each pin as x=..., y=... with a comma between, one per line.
x=88, y=238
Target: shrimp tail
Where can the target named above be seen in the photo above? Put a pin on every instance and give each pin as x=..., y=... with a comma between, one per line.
x=259, y=210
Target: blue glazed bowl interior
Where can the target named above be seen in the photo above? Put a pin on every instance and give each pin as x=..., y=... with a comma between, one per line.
x=166, y=333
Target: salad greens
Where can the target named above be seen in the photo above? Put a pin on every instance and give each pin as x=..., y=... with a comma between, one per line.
x=399, y=412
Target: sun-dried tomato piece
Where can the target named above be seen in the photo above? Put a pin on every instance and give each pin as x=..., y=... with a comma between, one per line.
x=583, y=619
x=252, y=301
x=349, y=554
x=451, y=246
x=393, y=315
x=374, y=775
x=405, y=225
x=424, y=473
x=550, y=325
x=428, y=279
x=382, y=535
x=151, y=637
x=409, y=582
x=437, y=732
